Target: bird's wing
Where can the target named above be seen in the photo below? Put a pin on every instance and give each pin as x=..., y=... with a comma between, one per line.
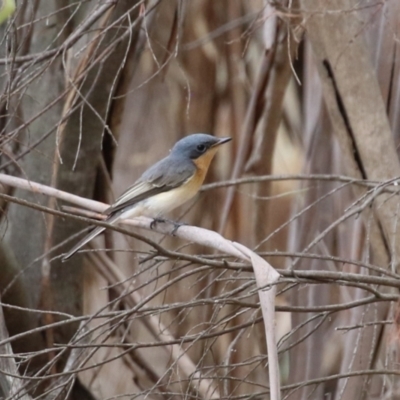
x=165, y=175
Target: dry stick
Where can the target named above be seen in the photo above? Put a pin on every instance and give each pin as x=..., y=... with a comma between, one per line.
x=49, y=191
x=310, y=276
x=144, y=223
x=81, y=30
x=86, y=203
x=264, y=273
x=336, y=377
x=93, y=64
x=135, y=361
x=359, y=118
x=391, y=185
x=261, y=159
x=110, y=271
x=50, y=218
x=74, y=361
x=10, y=385
x=85, y=58
x=252, y=116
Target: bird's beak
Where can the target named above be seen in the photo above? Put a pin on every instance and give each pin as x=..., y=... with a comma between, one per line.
x=222, y=141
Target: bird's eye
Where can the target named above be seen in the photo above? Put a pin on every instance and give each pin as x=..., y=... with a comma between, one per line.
x=201, y=148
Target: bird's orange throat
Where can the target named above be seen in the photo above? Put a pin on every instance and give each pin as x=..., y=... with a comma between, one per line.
x=203, y=163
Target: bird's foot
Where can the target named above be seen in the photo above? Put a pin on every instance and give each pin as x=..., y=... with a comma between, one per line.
x=176, y=225
x=157, y=221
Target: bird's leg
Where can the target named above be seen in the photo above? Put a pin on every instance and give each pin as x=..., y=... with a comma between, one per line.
x=176, y=225
x=157, y=221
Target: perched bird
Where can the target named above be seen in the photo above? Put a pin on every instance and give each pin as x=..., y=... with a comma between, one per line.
x=166, y=185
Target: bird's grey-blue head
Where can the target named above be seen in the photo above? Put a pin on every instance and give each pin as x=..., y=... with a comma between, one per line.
x=194, y=146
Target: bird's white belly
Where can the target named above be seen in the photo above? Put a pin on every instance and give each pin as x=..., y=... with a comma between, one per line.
x=162, y=203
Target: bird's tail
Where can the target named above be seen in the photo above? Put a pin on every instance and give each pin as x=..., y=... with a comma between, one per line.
x=89, y=237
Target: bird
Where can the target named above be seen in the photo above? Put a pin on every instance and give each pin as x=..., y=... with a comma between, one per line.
x=166, y=185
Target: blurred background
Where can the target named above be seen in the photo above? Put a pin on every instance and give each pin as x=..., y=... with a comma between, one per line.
x=94, y=92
